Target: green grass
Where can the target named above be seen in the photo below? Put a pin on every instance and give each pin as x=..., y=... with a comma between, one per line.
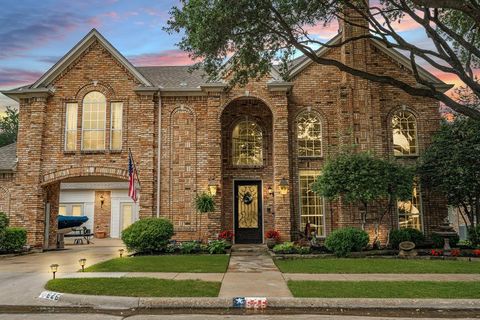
x=381, y=289
x=135, y=287
x=376, y=266
x=173, y=263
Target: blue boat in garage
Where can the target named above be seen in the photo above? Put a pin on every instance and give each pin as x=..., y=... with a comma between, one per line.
x=65, y=222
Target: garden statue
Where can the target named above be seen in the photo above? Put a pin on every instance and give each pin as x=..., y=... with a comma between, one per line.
x=407, y=249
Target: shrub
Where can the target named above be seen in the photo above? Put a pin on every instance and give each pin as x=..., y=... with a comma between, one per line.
x=189, y=247
x=148, y=235
x=345, y=240
x=272, y=234
x=3, y=222
x=438, y=241
x=303, y=250
x=474, y=235
x=226, y=235
x=13, y=239
x=205, y=202
x=286, y=247
x=407, y=234
x=217, y=247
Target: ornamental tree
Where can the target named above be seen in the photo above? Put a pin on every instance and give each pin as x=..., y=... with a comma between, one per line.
x=365, y=180
x=260, y=33
x=451, y=166
x=8, y=127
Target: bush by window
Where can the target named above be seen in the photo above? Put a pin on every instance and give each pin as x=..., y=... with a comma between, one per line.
x=345, y=240
x=150, y=235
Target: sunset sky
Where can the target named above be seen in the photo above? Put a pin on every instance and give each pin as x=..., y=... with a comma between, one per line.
x=35, y=34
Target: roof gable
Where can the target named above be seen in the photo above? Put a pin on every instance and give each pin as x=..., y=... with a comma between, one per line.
x=77, y=50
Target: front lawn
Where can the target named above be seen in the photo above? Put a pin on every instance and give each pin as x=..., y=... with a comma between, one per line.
x=376, y=266
x=135, y=287
x=382, y=289
x=171, y=263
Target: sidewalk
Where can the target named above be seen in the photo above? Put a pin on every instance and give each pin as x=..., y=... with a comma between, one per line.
x=380, y=277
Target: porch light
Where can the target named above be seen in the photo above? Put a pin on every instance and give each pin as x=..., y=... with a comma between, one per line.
x=82, y=263
x=212, y=187
x=54, y=269
x=120, y=251
x=283, y=186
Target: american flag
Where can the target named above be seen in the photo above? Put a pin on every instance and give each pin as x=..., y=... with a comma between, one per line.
x=132, y=177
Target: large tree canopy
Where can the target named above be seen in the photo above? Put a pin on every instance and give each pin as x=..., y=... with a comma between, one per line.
x=264, y=32
x=451, y=165
x=8, y=127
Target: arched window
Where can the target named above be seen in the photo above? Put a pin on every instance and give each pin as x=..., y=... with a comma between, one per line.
x=247, y=144
x=94, y=121
x=404, y=132
x=309, y=135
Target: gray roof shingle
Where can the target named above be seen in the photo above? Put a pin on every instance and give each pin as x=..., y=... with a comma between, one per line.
x=173, y=76
x=8, y=157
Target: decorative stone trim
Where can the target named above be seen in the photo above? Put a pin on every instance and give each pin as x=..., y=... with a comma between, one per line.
x=84, y=172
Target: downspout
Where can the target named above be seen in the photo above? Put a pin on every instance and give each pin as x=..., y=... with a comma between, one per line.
x=159, y=153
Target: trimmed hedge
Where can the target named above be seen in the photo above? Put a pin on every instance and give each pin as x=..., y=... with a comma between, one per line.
x=148, y=235
x=408, y=234
x=13, y=239
x=345, y=240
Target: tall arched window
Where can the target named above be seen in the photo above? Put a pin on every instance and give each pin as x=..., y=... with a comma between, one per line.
x=404, y=132
x=247, y=144
x=94, y=121
x=309, y=135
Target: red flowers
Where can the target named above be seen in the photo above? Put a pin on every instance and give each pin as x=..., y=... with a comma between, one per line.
x=226, y=235
x=476, y=252
x=272, y=234
x=455, y=252
x=436, y=253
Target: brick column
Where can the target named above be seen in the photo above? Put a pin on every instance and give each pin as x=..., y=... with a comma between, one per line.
x=52, y=200
x=30, y=198
x=281, y=165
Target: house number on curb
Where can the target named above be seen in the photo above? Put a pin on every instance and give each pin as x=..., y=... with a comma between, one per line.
x=49, y=295
x=250, y=302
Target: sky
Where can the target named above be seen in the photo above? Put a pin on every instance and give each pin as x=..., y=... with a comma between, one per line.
x=34, y=34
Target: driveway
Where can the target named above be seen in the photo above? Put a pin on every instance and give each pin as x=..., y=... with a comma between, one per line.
x=22, y=277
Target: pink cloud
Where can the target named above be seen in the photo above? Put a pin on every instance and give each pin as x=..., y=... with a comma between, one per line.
x=323, y=31
x=164, y=58
x=12, y=77
x=99, y=20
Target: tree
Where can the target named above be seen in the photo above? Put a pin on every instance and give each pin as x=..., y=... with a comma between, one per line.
x=261, y=33
x=451, y=166
x=9, y=127
x=365, y=180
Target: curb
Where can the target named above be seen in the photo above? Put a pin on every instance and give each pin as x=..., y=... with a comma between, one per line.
x=113, y=302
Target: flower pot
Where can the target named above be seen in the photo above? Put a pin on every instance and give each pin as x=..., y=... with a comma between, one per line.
x=271, y=242
x=100, y=234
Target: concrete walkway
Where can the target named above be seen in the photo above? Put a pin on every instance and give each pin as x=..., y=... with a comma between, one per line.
x=252, y=273
x=380, y=277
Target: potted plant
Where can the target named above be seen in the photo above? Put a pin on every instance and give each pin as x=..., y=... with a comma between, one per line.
x=204, y=203
x=227, y=236
x=272, y=238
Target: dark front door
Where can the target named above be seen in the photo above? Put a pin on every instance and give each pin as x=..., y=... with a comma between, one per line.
x=248, y=211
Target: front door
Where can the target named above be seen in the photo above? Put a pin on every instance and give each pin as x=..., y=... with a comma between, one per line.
x=248, y=211
x=126, y=215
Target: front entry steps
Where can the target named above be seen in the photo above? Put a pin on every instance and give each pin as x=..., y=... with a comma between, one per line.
x=249, y=249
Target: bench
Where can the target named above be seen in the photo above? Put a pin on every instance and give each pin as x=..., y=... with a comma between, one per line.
x=80, y=234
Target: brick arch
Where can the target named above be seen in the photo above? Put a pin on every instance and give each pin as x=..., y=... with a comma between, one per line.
x=85, y=171
x=240, y=97
x=4, y=200
x=99, y=86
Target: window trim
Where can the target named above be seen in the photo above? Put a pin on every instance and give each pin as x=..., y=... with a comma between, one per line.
x=104, y=129
x=420, y=206
x=310, y=172
x=320, y=118
x=111, y=126
x=392, y=148
x=69, y=206
x=262, y=131
x=66, y=130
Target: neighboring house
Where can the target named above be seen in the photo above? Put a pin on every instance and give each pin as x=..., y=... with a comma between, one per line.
x=79, y=120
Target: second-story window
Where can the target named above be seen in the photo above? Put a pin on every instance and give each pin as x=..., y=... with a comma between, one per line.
x=71, y=127
x=116, y=125
x=309, y=135
x=404, y=132
x=247, y=144
x=93, y=121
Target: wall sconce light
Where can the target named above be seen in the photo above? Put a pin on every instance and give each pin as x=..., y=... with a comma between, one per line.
x=54, y=269
x=212, y=187
x=82, y=263
x=283, y=186
x=102, y=200
x=120, y=252
x=270, y=191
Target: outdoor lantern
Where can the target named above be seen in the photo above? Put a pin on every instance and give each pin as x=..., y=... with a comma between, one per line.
x=120, y=251
x=283, y=186
x=270, y=191
x=82, y=263
x=54, y=269
x=212, y=187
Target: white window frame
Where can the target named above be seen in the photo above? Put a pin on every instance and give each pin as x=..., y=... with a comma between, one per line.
x=316, y=173
x=111, y=125
x=67, y=113
x=69, y=208
x=315, y=114
x=396, y=113
x=234, y=146
x=104, y=128
x=420, y=207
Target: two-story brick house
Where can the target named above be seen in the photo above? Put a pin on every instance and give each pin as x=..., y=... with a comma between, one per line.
x=261, y=146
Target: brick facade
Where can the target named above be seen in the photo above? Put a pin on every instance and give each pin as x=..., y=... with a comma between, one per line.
x=184, y=138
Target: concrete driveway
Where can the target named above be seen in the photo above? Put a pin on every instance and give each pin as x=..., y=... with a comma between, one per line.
x=22, y=277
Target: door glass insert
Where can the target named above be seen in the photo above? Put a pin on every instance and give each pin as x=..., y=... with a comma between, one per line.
x=127, y=215
x=247, y=206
